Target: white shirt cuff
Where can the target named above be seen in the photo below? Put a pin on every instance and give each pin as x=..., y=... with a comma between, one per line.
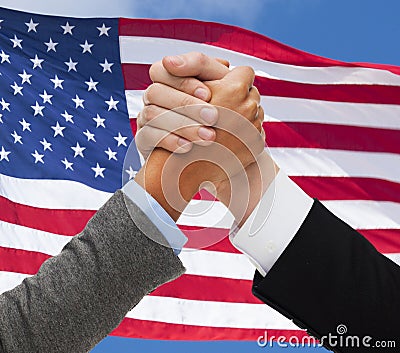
x=156, y=214
x=273, y=223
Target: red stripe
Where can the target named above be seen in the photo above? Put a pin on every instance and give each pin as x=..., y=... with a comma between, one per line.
x=217, y=289
x=232, y=38
x=351, y=93
x=65, y=222
x=328, y=136
x=386, y=241
x=348, y=188
x=163, y=331
x=136, y=77
x=223, y=245
x=21, y=261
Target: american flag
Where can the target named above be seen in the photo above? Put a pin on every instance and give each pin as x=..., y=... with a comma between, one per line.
x=70, y=91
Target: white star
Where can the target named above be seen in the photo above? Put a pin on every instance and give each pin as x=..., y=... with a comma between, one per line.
x=31, y=25
x=98, y=171
x=16, y=42
x=4, y=154
x=38, y=157
x=67, y=117
x=71, y=65
x=46, y=97
x=17, y=138
x=112, y=104
x=91, y=84
x=131, y=172
x=25, y=77
x=67, y=28
x=106, y=66
x=99, y=121
x=1, y=22
x=25, y=125
x=4, y=57
x=68, y=165
x=17, y=89
x=46, y=145
x=1, y=120
x=57, y=82
x=4, y=105
x=120, y=139
x=89, y=135
x=38, y=109
x=111, y=154
x=78, y=102
x=51, y=45
x=58, y=130
x=86, y=47
x=37, y=62
x=78, y=150
x=103, y=30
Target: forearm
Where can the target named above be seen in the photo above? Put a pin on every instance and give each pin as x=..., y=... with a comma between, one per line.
x=82, y=294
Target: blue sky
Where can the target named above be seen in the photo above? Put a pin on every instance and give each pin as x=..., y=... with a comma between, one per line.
x=348, y=30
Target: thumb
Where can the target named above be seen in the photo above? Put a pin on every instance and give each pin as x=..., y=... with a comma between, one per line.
x=195, y=65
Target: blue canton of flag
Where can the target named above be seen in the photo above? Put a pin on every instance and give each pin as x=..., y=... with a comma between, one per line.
x=63, y=112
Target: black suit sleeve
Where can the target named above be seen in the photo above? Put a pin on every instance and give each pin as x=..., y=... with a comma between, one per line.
x=330, y=275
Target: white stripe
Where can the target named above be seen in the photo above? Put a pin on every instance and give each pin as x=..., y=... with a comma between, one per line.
x=52, y=194
x=217, y=264
x=203, y=213
x=197, y=262
x=395, y=257
x=208, y=313
x=324, y=112
x=147, y=50
x=359, y=214
x=337, y=163
x=24, y=238
x=9, y=280
x=366, y=214
x=383, y=116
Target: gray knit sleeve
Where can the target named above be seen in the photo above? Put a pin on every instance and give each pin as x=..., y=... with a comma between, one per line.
x=82, y=294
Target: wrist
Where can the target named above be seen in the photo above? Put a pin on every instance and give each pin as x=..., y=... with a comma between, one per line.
x=254, y=182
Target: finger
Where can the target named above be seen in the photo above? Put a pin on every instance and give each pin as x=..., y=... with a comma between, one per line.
x=196, y=65
x=223, y=61
x=149, y=138
x=170, y=98
x=237, y=83
x=255, y=94
x=178, y=124
x=241, y=78
x=189, y=85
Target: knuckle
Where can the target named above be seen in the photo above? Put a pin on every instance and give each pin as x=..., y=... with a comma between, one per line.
x=186, y=100
x=199, y=57
x=149, y=112
x=239, y=88
x=185, y=85
x=249, y=70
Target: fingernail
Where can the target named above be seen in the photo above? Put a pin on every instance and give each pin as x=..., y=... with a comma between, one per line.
x=201, y=93
x=183, y=143
x=176, y=60
x=209, y=115
x=205, y=134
